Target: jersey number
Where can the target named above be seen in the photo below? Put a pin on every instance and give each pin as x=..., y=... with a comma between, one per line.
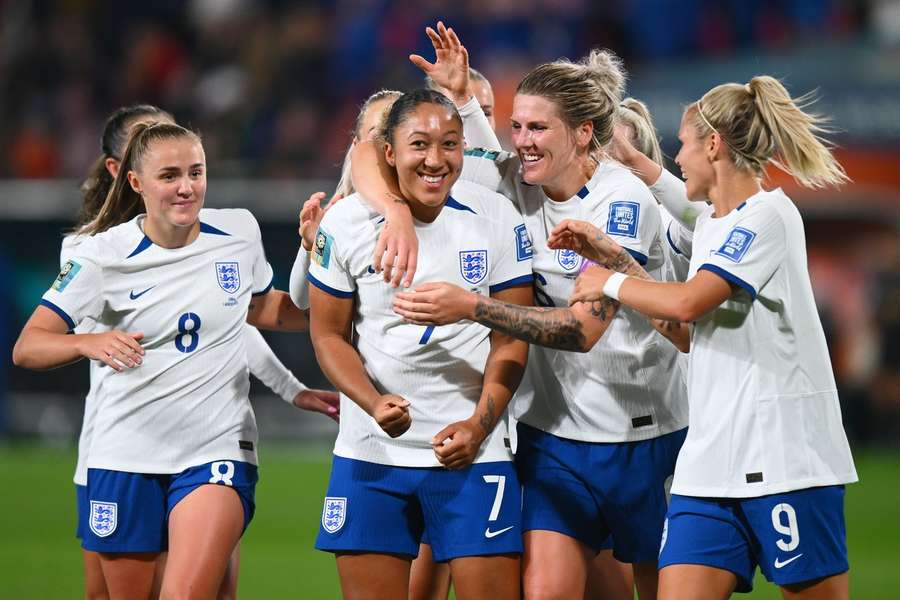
x=188, y=326
x=222, y=471
x=426, y=335
x=500, y=480
x=789, y=529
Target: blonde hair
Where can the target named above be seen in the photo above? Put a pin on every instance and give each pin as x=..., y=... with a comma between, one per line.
x=589, y=90
x=345, y=184
x=760, y=124
x=635, y=114
x=123, y=203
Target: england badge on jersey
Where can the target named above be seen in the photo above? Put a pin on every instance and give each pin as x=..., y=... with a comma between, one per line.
x=104, y=518
x=623, y=219
x=568, y=259
x=736, y=245
x=334, y=514
x=229, y=276
x=473, y=265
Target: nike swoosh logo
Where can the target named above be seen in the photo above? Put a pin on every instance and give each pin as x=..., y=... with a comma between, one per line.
x=779, y=564
x=489, y=534
x=134, y=296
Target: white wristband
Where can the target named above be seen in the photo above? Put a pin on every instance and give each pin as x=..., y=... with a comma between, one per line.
x=612, y=285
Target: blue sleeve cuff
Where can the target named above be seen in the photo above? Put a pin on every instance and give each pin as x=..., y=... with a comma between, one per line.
x=62, y=314
x=671, y=243
x=266, y=289
x=733, y=279
x=523, y=280
x=641, y=258
x=328, y=289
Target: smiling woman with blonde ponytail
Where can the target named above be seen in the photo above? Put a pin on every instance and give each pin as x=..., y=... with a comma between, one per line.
x=760, y=478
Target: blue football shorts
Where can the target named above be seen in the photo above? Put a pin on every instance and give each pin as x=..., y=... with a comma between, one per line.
x=794, y=537
x=591, y=491
x=372, y=507
x=129, y=512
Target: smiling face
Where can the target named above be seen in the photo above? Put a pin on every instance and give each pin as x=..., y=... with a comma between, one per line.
x=172, y=180
x=546, y=146
x=694, y=158
x=427, y=152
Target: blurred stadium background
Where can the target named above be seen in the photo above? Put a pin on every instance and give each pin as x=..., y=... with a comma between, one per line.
x=274, y=85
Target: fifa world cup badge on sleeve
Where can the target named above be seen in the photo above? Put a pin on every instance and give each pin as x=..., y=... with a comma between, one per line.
x=103, y=518
x=623, y=219
x=473, y=265
x=229, y=276
x=737, y=243
x=67, y=274
x=321, y=253
x=334, y=513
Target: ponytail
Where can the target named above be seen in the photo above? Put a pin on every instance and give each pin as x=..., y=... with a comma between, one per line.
x=761, y=124
x=96, y=186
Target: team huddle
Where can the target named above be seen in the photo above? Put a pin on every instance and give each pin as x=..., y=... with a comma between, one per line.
x=562, y=371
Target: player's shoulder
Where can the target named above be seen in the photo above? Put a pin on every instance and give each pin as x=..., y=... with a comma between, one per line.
x=616, y=182
x=481, y=201
x=772, y=211
x=236, y=222
x=107, y=247
x=348, y=215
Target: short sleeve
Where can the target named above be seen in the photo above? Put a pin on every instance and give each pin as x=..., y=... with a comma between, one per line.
x=74, y=294
x=263, y=276
x=631, y=218
x=328, y=269
x=514, y=252
x=750, y=252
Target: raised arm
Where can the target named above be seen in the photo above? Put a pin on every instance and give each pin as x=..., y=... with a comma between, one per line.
x=450, y=71
x=330, y=332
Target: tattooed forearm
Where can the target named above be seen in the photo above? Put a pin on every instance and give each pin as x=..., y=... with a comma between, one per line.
x=489, y=417
x=551, y=327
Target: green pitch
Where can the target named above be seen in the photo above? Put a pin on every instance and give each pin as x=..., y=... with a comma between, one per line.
x=39, y=556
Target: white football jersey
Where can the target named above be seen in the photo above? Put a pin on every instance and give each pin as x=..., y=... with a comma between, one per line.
x=187, y=403
x=764, y=415
x=97, y=371
x=438, y=369
x=627, y=387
